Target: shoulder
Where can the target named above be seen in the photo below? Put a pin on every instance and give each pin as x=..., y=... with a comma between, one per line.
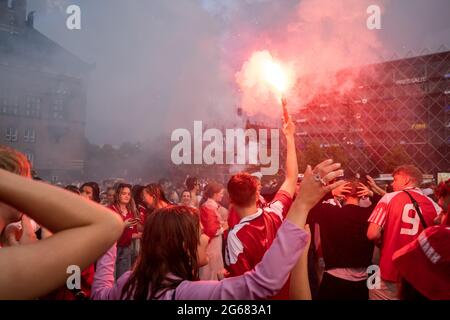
x=388, y=198
x=281, y=195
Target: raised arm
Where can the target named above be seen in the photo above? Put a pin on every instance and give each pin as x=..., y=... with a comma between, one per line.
x=290, y=181
x=83, y=231
x=299, y=285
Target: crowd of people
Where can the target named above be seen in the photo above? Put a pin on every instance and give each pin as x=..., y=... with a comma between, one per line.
x=323, y=236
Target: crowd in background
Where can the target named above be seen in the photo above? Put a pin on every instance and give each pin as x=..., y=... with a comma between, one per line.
x=318, y=235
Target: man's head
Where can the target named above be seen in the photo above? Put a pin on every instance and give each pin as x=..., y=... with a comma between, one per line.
x=352, y=196
x=13, y=161
x=164, y=183
x=406, y=176
x=243, y=190
x=192, y=184
x=110, y=192
x=442, y=193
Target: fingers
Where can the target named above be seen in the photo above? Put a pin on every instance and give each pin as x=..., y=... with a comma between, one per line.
x=322, y=165
x=12, y=241
x=333, y=174
x=308, y=171
x=334, y=185
x=26, y=224
x=327, y=167
x=307, y=229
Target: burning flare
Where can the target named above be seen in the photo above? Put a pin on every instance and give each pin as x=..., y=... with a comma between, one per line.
x=275, y=75
x=262, y=76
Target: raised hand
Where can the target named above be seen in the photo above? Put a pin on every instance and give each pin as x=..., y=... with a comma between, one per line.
x=375, y=188
x=315, y=186
x=340, y=190
x=20, y=234
x=288, y=127
x=364, y=191
x=130, y=222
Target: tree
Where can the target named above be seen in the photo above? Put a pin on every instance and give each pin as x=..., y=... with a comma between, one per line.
x=395, y=157
x=312, y=155
x=338, y=154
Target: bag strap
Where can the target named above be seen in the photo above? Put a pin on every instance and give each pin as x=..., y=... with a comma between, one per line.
x=416, y=206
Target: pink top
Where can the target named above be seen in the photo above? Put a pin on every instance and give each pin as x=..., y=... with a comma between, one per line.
x=264, y=281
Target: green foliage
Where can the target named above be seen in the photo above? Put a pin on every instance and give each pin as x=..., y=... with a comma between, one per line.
x=396, y=157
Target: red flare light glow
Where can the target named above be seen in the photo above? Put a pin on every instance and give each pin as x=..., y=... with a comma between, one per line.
x=263, y=76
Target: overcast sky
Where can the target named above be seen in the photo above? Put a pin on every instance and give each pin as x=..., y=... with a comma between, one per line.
x=161, y=64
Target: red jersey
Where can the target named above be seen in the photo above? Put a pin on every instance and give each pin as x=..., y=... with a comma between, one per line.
x=233, y=217
x=126, y=237
x=248, y=240
x=396, y=215
x=210, y=219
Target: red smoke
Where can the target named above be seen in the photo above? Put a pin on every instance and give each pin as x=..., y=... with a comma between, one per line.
x=324, y=36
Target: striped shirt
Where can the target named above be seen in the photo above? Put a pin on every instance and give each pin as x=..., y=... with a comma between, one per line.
x=400, y=223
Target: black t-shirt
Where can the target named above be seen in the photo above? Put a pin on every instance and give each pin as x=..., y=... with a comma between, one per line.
x=343, y=234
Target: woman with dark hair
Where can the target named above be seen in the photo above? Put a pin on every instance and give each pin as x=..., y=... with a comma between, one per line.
x=153, y=197
x=136, y=192
x=91, y=191
x=211, y=221
x=193, y=185
x=124, y=206
x=73, y=189
x=174, y=248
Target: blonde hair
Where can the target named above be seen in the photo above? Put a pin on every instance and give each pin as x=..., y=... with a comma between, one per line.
x=14, y=161
x=411, y=171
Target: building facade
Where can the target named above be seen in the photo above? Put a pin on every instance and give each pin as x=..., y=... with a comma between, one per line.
x=396, y=105
x=42, y=96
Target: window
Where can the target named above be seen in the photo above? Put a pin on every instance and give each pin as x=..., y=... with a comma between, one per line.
x=11, y=134
x=14, y=109
x=33, y=107
x=30, y=136
x=9, y=106
x=58, y=108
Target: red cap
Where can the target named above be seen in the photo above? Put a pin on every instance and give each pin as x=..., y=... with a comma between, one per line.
x=425, y=263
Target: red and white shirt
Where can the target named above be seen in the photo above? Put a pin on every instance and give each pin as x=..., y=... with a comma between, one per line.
x=396, y=215
x=211, y=219
x=248, y=240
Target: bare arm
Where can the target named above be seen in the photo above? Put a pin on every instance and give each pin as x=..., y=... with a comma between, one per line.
x=374, y=232
x=83, y=231
x=375, y=188
x=290, y=181
x=299, y=285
